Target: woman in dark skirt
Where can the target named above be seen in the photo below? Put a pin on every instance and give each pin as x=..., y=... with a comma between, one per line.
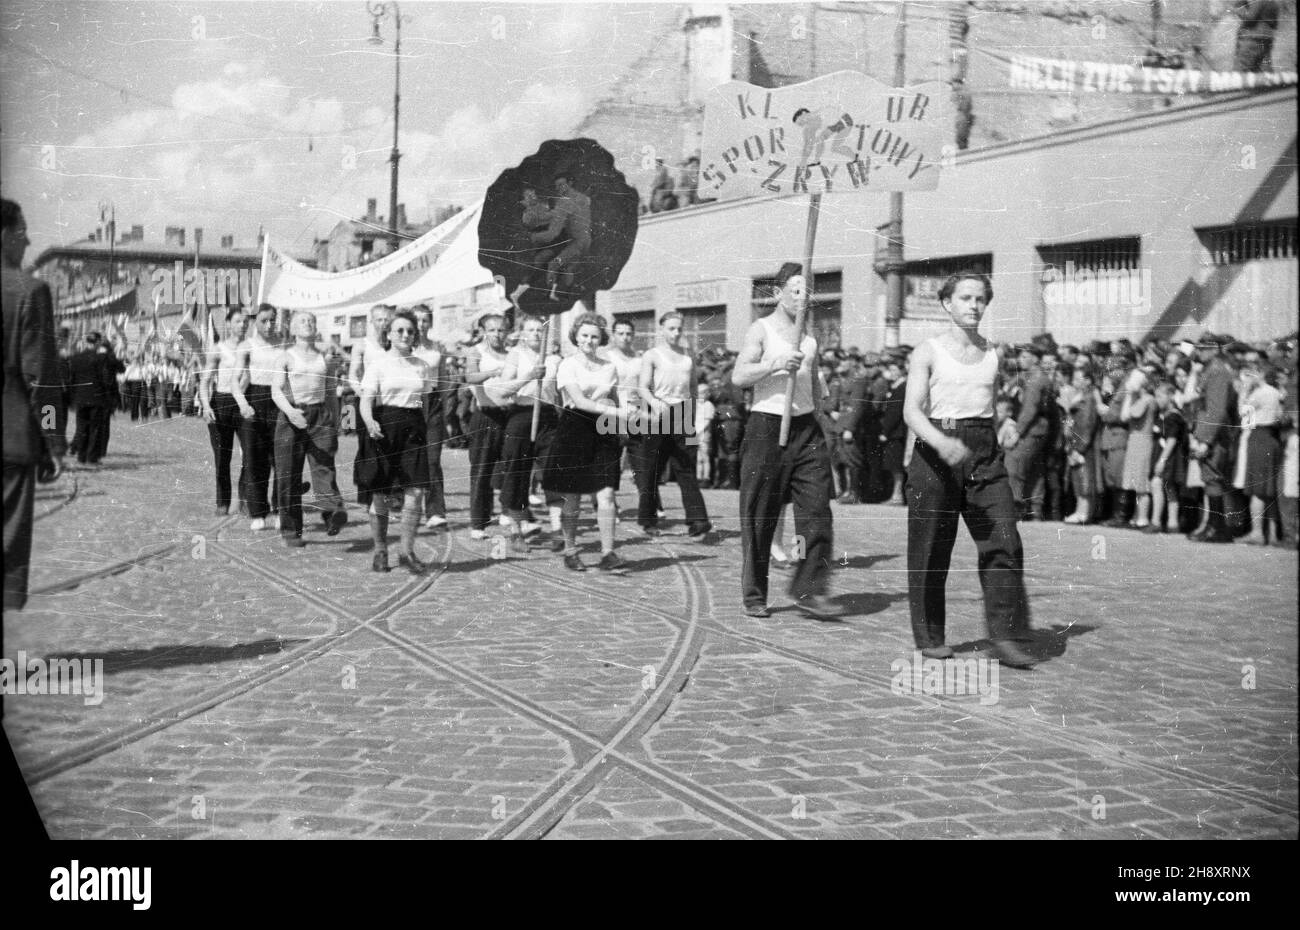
x=584, y=456
x=392, y=409
x=1261, y=411
x=373, y=346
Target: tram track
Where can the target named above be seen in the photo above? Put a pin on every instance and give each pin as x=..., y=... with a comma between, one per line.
x=60, y=503
x=292, y=661
x=150, y=554
x=545, y=810
x=1091, y=747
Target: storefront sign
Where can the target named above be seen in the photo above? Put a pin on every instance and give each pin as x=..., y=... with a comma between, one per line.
x=700, y=293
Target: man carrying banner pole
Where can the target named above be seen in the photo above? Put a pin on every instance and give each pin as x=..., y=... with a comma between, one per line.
x=780, y=363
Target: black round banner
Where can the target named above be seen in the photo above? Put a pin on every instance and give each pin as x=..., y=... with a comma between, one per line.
x=558, y=227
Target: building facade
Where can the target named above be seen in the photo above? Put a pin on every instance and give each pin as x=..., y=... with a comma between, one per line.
x=1165, y=223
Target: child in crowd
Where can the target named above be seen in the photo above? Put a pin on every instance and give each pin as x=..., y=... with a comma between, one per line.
x=704, y=413
x=1005, y=412
x=1080, y=437
x=1169, y=473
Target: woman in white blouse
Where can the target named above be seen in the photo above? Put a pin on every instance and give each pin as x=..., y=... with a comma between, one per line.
x=392, y=409
x=584, y=458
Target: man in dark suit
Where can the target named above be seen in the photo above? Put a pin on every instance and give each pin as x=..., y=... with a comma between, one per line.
x=85, y=395
x=110, y=366
x=860, y=431
x=33, y=403
x=893, y=431
x=1215, y=439
x=1026, y=462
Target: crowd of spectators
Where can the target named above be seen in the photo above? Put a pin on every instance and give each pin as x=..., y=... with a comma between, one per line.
x=1102, y=433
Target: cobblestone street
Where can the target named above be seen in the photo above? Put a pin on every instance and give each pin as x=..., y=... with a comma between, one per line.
x=253, y=690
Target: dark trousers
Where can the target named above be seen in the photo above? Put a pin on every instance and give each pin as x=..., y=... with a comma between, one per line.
x=258, y=434
x=1216, y=473
x=92, y=421
x=1026, y=466
x=519, y=453
x=487, y=434
x=979, y=492
x=658, y=450
x=20, y=498
x=316, y=444
x=222, y=432
x=770, y=476
x=730, y=438
x=435, y=499
x=135, y=400
x=105, y=424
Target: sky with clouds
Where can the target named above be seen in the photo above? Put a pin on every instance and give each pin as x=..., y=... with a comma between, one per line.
x=232, y=116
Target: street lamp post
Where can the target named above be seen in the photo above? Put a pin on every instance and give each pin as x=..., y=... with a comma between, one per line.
x=108, y=216
x=378, y=11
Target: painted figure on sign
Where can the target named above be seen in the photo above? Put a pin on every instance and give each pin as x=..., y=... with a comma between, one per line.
x=570, y=218
x=819, y=128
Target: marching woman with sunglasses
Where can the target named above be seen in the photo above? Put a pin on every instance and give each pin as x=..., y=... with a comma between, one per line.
x=392, y=410
x=584, y=456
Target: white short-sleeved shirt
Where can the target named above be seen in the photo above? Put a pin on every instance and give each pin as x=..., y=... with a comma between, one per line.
x=524, y=359
x=396, y=381
x=595, y=382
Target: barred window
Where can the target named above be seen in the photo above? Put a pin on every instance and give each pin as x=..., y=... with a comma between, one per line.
x=1096, y=255
x=1248, y=242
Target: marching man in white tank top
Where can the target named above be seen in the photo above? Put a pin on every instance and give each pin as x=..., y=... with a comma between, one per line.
x=667, y=399
x=628, y=366
x=307, y=429
x=770, y=475
x=258, y=356
x=487, y=428
x=957, y=470
x=217, y=406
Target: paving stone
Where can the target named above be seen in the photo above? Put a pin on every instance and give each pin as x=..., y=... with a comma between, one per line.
x=792, y=725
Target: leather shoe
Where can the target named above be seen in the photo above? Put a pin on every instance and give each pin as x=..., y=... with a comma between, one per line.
x=336, y=521
x=380, y=562
x=574, y=563
x=1010, y=655
x=938, y=652
x=820, y=607
x=757, y=610
x=411, y=563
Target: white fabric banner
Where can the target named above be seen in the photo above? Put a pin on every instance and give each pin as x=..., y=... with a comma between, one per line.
x=442, y=261
x=839, y=133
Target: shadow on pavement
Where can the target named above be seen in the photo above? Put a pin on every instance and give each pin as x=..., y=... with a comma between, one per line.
x=159, y=657
x=659, y=561
x=1044, y=643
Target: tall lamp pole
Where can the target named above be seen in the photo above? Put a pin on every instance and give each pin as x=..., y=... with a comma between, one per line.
x=108, y=216
x=894, y=244
x=377, y=12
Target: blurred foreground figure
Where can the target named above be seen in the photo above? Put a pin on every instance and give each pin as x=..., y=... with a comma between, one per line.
x=33, y=402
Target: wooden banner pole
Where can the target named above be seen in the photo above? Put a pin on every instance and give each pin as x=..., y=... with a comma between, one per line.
x=801, y=313
x=550, y=326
